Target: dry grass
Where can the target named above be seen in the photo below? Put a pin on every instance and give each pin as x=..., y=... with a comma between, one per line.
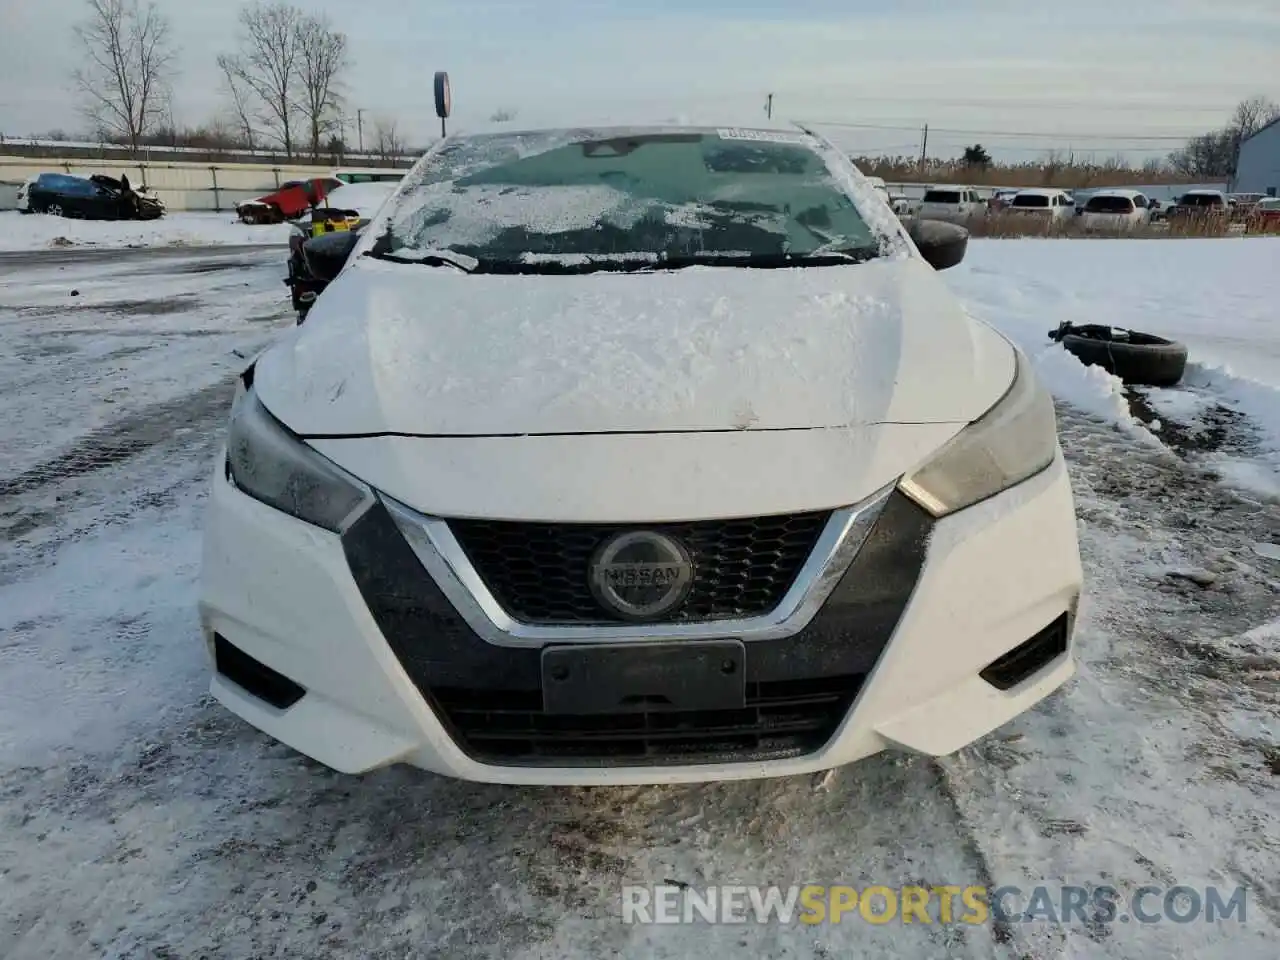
x=1065, y=175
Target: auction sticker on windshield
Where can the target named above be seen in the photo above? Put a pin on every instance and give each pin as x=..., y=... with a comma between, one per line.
x=770, y=136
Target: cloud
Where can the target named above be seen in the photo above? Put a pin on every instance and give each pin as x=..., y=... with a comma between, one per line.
x=1142, y=68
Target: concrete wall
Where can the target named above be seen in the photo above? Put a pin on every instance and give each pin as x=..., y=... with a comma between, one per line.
x=1258, y=167
x=182, y=186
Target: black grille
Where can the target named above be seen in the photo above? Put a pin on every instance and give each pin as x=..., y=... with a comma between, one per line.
x=781, y=719
x=538, y=572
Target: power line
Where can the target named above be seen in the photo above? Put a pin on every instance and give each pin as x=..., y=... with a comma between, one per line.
x=1006, y=103
x=1113, y=138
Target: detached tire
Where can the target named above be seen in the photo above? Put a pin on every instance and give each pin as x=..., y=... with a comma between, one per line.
x=1137, y=358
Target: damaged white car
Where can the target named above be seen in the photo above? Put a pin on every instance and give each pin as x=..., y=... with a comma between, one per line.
x=637, y=455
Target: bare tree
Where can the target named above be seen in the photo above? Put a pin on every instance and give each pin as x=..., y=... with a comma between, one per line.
x=1252, y=115
x=1215, y=154
x=502, y=115
x=125, y=79
x=387, y=141
x=240, y=94
x=322, y=58
x=1154, y=166
x=268, y=66
x=1053, y=163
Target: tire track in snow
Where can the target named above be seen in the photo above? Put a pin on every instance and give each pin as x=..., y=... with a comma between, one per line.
x=201, y=410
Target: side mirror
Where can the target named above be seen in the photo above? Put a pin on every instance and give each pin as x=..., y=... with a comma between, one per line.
x=327, y=254
x=941, y=244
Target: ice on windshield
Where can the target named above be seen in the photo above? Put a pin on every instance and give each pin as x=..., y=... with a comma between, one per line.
x=649, y=193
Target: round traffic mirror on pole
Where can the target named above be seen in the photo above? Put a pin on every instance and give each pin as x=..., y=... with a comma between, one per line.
x=444, y=98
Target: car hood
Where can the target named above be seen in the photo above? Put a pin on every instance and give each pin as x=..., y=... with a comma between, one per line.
x=433, y=352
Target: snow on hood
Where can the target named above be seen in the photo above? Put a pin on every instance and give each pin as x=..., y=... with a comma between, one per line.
x=430, y=351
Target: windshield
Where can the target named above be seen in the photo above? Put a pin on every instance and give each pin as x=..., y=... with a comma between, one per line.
x=1202, y=200
x=942, y=196
x=571, y=197
x=1030, y=200
x=1109, y=205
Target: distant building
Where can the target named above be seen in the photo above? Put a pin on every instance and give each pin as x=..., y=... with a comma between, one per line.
x=1258, y=166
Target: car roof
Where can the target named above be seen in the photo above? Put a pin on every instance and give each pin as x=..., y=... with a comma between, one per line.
x=1041, y=192
x=1117, y=192
x=1205, y=193
x=633, y=120
x=614, y=131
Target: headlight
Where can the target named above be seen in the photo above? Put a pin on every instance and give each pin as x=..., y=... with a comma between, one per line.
x=1014, y=440
x=270, y=464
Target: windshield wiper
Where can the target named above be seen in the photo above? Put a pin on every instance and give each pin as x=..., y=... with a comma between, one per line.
x=429, y=258
x=841, y=248
x=821, y=257
x=656, y=264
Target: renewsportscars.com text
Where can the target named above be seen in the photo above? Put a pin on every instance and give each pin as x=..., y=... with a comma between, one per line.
x=945, y=904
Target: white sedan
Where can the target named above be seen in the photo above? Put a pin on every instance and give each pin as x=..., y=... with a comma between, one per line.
x=631, y=456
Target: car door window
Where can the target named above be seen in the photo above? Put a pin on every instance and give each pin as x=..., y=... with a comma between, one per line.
x=1140, y=202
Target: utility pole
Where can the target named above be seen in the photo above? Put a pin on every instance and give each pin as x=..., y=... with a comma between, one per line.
x=768, y=106
x=360, y=128
x=924, y=146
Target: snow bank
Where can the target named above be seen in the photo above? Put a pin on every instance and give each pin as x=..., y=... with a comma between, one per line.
x=1216, y=296
x=19, y=232
x=1024, y=304
x=1259, y=472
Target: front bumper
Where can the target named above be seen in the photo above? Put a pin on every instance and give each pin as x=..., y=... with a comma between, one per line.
x=984, y=581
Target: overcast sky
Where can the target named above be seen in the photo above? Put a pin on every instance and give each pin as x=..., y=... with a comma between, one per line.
x=1082, y=74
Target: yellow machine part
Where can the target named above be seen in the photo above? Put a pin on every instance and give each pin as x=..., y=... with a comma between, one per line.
x=333, y=226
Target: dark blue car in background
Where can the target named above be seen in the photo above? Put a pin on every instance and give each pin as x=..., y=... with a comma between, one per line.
x=90, y=198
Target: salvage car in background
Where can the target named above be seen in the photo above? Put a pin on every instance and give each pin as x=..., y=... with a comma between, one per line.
x=1116, y=210
x=539, y=494
x=1265, y=216
x=1041, y=203
x=1200, y=209
x=1000, y=199
x=95, y=197
x=347, y=209
x=952, y=204
x=291, y=201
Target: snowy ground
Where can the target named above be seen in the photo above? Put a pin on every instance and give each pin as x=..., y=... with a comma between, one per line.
x=1219, y=297
x=140, y=820
x=40, y=232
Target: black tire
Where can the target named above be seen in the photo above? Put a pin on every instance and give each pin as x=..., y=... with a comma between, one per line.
x=1141, y=358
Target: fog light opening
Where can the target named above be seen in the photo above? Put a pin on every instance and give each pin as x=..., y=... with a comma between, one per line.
x=253, y=676
x=1028, y=658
